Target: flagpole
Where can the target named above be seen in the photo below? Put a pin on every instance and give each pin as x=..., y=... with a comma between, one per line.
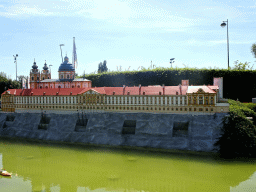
x=73, y=59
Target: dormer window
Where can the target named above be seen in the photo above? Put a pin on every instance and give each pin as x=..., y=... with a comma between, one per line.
x=143, y=92
x=160, y=93
x=128, y=93
x=177, y=93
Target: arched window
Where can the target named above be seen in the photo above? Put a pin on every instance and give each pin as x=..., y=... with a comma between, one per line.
x=37, y=78
x=48, y=77
x=32, y=78
x=41, y=87
x=78, y=86
x=59, y=86
x=43, y=78
x=73, y=86
x=46, y=87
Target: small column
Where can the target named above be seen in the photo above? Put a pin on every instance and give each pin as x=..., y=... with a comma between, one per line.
x=178, y=101
x=161, y=100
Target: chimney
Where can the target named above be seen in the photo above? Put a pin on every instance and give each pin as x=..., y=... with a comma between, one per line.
x=143, y=92
x=163, y=89
x=139, y=89
x=123, y=89
x=159, y=92
x=218, y=81
x=185, y=82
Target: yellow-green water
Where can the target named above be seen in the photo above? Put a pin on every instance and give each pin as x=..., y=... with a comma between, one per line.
x=56, y=167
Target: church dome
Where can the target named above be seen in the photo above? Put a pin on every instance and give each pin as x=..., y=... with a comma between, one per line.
x=45, y=66
x=34, y=66
x=66, y=66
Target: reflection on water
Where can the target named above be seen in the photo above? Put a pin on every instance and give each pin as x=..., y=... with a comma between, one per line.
x=56, y=167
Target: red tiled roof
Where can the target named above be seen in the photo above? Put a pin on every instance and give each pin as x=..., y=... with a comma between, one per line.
x=61, y=91
x=194, y=89
x=149, y=90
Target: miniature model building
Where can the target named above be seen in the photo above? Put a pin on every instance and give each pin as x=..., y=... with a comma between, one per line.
x=67, y=94
x=66, y=77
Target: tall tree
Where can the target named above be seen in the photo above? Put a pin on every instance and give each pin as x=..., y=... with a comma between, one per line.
x=105, y=68
x=253, y=49
x=102, y=67
x=100, y=70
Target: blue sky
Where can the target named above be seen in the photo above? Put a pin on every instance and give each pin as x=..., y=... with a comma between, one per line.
x=127, y=33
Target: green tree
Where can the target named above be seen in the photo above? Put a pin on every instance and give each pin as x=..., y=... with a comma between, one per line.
x=253, y=49
x=105, y=68
x=102, y=67
x=242, y=66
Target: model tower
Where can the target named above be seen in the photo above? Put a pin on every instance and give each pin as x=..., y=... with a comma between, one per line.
x=34, y=76
x=66, y=71
x=45, y=74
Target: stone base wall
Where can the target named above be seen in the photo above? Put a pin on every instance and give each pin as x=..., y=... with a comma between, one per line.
x=151, y=130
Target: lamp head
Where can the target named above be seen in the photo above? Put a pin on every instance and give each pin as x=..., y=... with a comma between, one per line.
x=223, y=24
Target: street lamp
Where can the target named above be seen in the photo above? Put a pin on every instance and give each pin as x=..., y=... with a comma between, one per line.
x=15, y=61
x=61, y=51
x=172, y=61
x=223, y=25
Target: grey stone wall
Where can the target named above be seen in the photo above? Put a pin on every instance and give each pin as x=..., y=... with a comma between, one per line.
x=152, y=130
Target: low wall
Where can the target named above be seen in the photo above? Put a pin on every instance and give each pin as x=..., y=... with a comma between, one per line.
x=165, y=131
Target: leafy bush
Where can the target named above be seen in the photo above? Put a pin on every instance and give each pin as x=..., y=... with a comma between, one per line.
x=238, y=137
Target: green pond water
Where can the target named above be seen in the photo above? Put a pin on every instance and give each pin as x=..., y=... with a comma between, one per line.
x=60, y=167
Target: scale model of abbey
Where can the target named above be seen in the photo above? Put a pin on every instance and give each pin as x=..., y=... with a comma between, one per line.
x=67, y=95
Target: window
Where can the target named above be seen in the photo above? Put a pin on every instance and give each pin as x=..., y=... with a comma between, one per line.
x=211, y=109
x=61, y=76
x=32, y=78
x=190, y=109
x=37, y=78
x=206, y=109
x=194, y=109
x=200, y=109
x=43, y=78
x=68, y=76
x=200, y=100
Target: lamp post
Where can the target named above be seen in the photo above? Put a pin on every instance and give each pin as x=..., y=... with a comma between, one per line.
x=61, y=51
x=172, y=61
x=223, y=25
x=15, y=61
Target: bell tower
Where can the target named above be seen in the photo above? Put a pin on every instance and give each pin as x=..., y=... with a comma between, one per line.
x=45, y=74
x=34, y=76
